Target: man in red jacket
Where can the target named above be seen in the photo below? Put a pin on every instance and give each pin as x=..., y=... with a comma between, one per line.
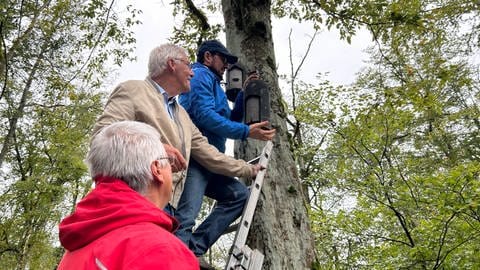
x=120, y=224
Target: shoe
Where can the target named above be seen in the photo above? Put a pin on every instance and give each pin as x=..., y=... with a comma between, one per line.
x=204, y=265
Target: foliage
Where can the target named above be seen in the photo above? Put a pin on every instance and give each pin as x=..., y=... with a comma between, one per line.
x=195, y=27
x=395, y=184
x=392, y=162
x=53, y=58
x=384, y=18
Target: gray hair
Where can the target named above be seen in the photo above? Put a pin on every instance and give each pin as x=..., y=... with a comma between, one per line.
x=125, y=150
x=157, y=63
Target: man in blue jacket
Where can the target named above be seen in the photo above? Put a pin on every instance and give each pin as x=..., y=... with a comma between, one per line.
x=208, y=108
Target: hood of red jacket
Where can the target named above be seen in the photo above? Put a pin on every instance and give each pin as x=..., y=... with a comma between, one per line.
x=111, y=205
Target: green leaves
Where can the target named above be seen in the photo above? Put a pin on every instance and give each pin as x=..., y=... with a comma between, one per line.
x=195, y=26
x=395, y=182
x=54, y=57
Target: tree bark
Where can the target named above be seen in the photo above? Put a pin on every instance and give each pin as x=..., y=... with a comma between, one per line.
x=280, y=229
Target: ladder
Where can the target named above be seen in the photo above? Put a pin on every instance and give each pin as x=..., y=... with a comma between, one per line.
x=241, y=256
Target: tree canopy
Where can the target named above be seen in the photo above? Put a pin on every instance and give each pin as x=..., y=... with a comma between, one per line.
x=54, y=58
x=395, y=182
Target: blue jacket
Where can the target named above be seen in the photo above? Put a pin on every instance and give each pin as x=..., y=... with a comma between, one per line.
x=207, y=105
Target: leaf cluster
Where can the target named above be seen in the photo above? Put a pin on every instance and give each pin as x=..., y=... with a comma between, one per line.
x=395, y=181
x=195, y=26
x=53, y=63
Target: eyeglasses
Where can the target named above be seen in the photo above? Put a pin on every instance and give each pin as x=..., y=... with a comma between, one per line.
x=171, y=160
x=188, y=63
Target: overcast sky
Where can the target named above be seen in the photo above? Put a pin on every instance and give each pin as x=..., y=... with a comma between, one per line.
x=328, y=53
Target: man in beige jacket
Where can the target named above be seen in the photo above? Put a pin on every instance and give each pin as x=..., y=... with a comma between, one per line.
x=153, y=101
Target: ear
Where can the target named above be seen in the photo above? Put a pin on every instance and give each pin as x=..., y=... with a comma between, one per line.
x=156, y=172
x=171, y=64
x=207, y=57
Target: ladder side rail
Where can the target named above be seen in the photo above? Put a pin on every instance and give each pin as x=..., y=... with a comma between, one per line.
x=249, y=210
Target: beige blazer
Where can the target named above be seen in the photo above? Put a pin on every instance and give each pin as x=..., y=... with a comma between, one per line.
x=140, y=101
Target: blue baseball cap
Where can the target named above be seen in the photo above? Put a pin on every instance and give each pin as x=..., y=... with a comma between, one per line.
x=214, y=46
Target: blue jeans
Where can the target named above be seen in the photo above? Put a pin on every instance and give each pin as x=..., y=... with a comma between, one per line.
x=231, y=196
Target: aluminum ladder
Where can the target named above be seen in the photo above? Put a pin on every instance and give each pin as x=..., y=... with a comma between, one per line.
x=242, y=257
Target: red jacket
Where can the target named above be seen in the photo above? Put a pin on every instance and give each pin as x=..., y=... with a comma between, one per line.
x=114, y=227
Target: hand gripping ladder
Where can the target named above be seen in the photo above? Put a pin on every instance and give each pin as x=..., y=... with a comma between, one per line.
x=241, y=256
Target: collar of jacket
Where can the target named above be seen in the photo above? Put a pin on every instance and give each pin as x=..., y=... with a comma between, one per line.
x=104, y=179
x=111, y=205
x=200, y=65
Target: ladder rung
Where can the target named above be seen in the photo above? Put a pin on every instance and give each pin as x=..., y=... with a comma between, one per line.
x=231, y=229
x=241, y=256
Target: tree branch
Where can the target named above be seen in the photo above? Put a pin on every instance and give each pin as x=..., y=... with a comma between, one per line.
x=198, y=14
x=12, y=125
x=99, y=37
x=3, y=59
x=293, y=76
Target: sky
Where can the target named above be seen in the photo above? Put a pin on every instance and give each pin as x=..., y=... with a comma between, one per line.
x=328, y=53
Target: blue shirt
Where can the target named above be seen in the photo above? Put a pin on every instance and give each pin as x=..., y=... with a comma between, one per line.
x=207, y=105
x=169, y=102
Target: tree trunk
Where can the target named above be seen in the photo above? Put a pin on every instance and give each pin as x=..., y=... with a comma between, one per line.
x=281, y=229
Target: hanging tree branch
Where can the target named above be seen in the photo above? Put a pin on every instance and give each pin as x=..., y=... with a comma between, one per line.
x=198, y=14
x=195, y=27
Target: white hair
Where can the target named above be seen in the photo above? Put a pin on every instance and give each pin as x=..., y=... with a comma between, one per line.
x=125, y=150
x=157, y=62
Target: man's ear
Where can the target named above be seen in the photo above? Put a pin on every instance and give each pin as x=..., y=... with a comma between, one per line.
x=171, y=64
x=156, y=172
x=207, y=57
